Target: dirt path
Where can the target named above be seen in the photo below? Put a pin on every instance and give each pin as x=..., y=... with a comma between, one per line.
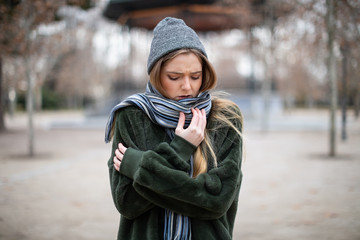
x=291, y=190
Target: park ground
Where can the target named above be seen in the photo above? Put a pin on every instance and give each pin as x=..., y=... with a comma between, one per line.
x=291, y=188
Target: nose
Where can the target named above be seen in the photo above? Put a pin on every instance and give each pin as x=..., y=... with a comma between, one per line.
x=186, y=84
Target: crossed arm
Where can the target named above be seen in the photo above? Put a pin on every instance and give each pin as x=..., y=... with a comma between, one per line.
x=159, y=177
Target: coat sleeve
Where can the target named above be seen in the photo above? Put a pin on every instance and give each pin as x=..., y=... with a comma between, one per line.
x=161, y=176
x=126, y=199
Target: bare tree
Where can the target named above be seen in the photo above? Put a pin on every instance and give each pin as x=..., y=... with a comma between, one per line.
x=325, y=18
x=331, y=29
x=19, y=20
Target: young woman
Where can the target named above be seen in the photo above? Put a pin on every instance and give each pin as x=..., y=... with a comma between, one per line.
x=175, y=167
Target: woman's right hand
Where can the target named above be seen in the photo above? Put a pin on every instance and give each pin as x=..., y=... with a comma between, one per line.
x=195, y=132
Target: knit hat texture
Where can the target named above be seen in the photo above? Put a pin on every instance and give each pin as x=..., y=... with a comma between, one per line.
x=172, y=34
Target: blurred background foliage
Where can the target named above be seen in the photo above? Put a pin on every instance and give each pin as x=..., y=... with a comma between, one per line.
x=76, y=54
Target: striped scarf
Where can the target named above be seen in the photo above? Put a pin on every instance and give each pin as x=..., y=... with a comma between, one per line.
x=165, y=112
x=160, y=110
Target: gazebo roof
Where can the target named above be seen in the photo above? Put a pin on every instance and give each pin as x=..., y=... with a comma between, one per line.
x=201, y=15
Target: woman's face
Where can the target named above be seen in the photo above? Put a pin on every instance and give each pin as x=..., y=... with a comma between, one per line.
x=181, y=77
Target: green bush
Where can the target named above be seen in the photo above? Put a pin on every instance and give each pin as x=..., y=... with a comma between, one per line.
x=51, y=100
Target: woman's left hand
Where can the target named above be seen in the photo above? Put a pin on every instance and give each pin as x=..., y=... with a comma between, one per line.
x=119, y=155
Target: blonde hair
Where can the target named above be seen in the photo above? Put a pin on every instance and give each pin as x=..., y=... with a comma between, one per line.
x=222, y=110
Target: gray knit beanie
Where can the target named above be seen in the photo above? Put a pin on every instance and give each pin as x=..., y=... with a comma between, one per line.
x=169, y=35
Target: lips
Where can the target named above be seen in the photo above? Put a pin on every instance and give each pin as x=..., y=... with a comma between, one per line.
x=184, y=96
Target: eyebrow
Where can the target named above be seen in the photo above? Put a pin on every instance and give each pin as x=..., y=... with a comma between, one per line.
x=182, y=73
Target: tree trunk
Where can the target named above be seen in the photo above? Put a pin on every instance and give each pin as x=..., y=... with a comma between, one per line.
x=2, y=122
x=30, y=87
x=356, y=88
x=30, y=106
x=251, y=78
x=344, y=51
x=357, y=104
x=331, y=27
x=269, y=74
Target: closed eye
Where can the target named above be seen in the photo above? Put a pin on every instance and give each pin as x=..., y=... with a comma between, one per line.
x=173, y=78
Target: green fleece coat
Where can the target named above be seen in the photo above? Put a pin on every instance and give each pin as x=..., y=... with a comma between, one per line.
x=154, y=176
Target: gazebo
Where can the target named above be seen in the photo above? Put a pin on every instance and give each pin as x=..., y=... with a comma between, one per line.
x=201, y=15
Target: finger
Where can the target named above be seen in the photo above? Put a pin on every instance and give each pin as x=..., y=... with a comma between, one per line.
x=117, y=168
x=202, y=122
x=122, y=148
x=200, y=114
x=119, y=147
x=195, y=118
x=118, y=154
x=200, y=117
x=116, y=163
x=203, y=113
x=181, y=121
